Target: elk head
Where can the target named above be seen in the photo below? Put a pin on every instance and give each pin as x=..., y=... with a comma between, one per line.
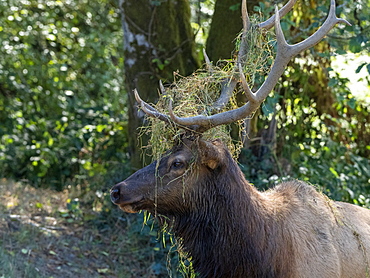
x=160, y=186
x=167, y=185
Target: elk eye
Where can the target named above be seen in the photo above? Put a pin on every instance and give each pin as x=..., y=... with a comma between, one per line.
x=176, y=165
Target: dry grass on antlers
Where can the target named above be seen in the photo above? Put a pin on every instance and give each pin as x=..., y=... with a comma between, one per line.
x=195, y=94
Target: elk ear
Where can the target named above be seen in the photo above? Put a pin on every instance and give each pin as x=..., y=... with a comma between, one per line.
x=211, y=153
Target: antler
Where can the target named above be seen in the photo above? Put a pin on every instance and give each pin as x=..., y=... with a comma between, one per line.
x=229, y=84
x=150, y=110
x=285, y=52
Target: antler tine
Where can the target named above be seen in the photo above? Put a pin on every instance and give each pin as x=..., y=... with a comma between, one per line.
x=248, y=92
x=228, y=85
x=208, y=62
x=316, y=37
x=285, y=53
x=161, y=87
x=246, y=28
x=269, y=23
x=245, y=17
x=150, y=110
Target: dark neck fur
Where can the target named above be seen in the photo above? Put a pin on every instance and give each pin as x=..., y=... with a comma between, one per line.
x=229, y=233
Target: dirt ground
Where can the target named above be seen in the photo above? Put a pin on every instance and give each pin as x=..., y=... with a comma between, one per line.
x=44, y=233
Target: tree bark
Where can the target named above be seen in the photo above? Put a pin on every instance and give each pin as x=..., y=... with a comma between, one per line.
x=225, y=27
x=158, y=40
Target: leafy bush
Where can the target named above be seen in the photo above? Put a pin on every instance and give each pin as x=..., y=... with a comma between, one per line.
x=61, y=102
x=334, y=168
x=322, y=130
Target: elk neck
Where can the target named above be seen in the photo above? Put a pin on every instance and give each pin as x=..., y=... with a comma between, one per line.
x=230, y=231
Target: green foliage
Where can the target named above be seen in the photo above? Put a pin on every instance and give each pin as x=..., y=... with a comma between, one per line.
x=335, y=169
x=202, y=12
x=332, y=167
x=358, y=34
x=323, y=130
x=60, y=90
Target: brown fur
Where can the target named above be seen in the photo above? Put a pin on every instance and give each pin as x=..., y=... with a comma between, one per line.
x=229, y=229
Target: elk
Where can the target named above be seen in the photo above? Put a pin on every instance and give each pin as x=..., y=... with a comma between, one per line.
x=223, y=223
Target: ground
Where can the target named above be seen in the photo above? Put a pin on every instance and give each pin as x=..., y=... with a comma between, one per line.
x=44, y=233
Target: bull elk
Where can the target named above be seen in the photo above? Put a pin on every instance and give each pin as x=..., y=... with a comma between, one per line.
x=224, y=224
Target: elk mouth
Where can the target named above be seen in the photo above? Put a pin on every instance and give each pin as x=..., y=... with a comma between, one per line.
x=133, y=206
x=125, y=202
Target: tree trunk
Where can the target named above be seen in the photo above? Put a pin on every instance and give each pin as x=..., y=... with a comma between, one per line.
x=158, y=40
x=225, y=27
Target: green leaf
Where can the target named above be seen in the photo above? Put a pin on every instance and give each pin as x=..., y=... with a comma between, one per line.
x=352, y=103
x=100, y=128
x=105, y=253
x=332, y=82
x=235, y=7
x=50, y=142
x=355, y=45
x=103, y=270
x=359, y=68
x=335, y=173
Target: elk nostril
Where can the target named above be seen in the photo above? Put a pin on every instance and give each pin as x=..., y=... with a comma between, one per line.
x=114, y=195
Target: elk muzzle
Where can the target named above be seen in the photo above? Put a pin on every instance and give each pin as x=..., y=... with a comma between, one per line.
x=120, y=195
